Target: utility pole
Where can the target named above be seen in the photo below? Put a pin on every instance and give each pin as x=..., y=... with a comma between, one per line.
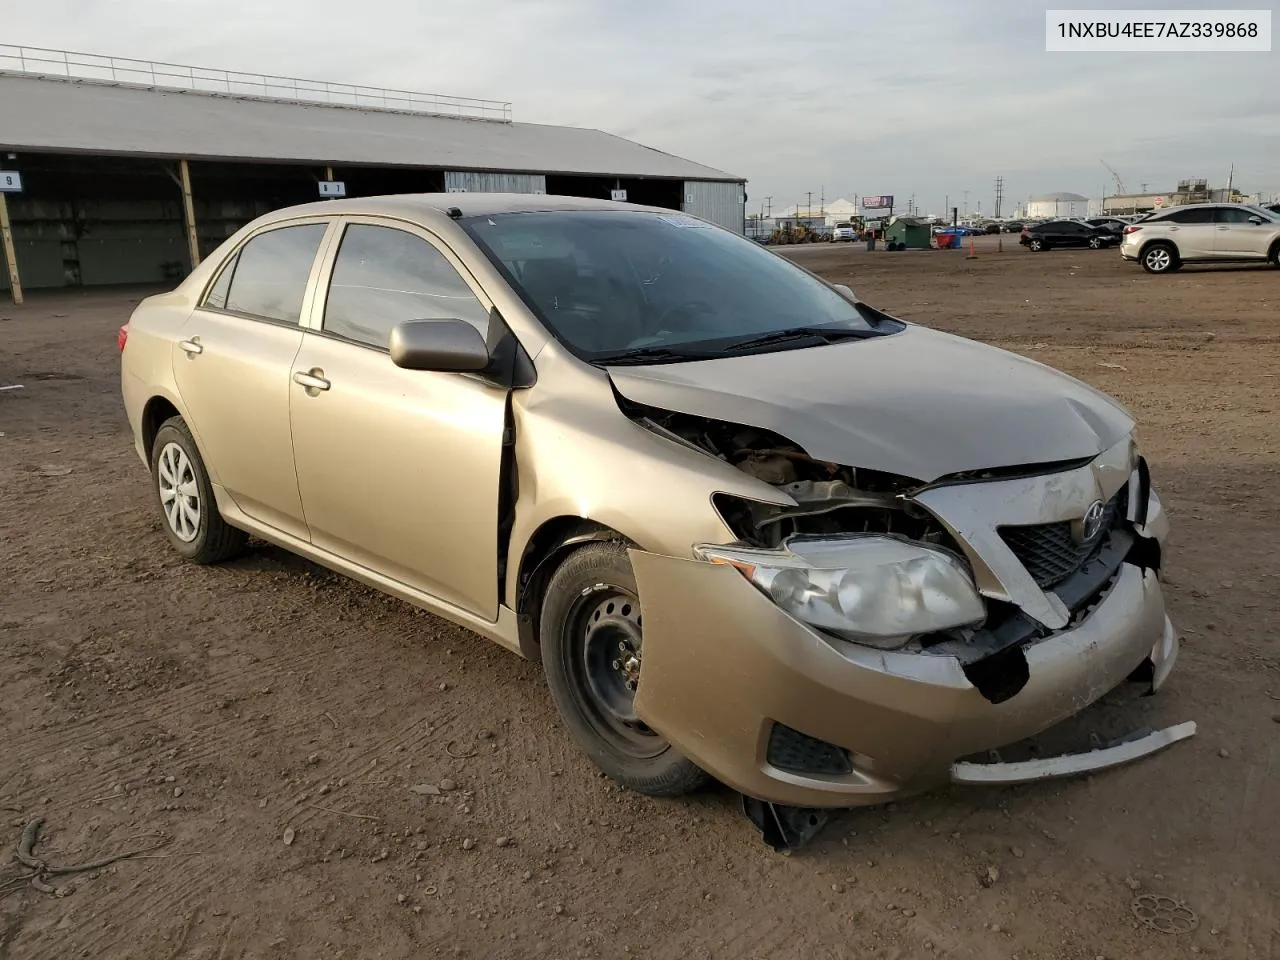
x=808, y=206
x=999, y=195
x=966, y=203
x=769, y=207
x=822, y=202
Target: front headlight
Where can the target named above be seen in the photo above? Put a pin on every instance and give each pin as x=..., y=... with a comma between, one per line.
x=874, y=590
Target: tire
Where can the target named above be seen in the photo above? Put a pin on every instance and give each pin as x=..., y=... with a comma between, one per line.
x=1036, y=245
x=177, y=468
x=1275, y=255
x=1096, y=243
x=591, y=621
x=1160, y=258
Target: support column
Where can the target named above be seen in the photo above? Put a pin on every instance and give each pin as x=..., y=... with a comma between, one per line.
x=189, y=213
x=6, y=236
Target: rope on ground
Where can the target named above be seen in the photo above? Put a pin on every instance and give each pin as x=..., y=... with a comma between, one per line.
x=42, y=874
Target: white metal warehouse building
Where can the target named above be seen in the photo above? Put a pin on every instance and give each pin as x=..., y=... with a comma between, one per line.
x=132, y=171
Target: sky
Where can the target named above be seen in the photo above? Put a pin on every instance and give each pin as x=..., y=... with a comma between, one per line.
x=923, y=98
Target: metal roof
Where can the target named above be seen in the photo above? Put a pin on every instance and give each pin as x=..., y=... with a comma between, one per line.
x=59, y=115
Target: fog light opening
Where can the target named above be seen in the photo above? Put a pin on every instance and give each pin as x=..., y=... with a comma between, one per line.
x=1000, y=676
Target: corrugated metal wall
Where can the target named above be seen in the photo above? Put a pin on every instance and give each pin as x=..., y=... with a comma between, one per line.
x=721, y=203
x=460, y=181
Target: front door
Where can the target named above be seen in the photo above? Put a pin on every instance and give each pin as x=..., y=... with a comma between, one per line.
x=398, y=469
x=232, y=367
x=1237, y=237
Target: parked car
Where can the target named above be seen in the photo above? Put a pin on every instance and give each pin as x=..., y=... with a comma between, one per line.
x=991, y=227
x=1273, y=207
x=1114, y=224
x=1066, y=233
x=1203, y=233
x=960, y=230
x=1013, y=226
x=843, y=231
x=863, y=549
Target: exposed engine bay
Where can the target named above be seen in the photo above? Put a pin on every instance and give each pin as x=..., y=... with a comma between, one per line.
x=830, y=498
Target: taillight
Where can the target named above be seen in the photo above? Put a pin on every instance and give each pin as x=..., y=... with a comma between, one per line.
x=1025, y=231
x=1131, y=229
x=122, y=335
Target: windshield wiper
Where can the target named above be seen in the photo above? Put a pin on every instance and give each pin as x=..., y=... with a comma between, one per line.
x=652, y=355
x=822, y=335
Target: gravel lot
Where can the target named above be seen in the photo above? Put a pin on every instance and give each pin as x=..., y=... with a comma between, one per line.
x=225, y=706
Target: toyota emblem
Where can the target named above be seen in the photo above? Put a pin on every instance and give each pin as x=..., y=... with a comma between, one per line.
x=1092, y=522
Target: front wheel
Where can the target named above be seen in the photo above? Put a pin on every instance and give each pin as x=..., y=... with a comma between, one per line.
x=592, y=645
x=1095, y=243
x=187, y=508
x=1036, y=245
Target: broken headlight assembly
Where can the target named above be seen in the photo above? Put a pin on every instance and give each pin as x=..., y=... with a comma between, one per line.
x=875, y=590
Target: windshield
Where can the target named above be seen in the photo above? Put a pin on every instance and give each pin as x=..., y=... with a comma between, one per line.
x=607, y=282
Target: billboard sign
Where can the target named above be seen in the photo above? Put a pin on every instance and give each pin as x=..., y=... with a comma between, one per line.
x=881, y=202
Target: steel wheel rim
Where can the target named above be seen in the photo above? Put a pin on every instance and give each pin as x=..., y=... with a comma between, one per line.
x=179, y=492
x=606, y=651
x=1158, y=259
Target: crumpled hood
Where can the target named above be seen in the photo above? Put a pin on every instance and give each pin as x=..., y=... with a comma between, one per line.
x=918, y=403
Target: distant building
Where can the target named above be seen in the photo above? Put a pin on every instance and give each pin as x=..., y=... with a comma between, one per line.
x=1187, y=191
x=1058, y=205
x=830, y=213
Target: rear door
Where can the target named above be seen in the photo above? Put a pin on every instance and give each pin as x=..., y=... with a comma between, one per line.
x=232, y=369
x=1067, y=233
x=1193, y=230
x=1236, y=236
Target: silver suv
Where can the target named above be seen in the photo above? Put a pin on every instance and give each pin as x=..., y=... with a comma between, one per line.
x=1202, y=233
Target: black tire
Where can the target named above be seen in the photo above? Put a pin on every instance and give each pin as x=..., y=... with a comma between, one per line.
x=1160, y=257
x=1275, y=255
x=591, y=608
x=1096, y=243
x=214, y=539
x=1036, y=245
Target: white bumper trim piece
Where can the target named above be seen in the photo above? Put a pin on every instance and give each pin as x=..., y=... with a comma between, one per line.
x=1071, y=764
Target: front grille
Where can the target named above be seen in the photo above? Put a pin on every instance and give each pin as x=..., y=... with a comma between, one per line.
x=796, y=752
x=1051, y=553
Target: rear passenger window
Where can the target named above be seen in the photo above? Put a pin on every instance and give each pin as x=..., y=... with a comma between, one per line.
x=384, y=276
x=217, y=297
x=271, y=273
x=1203, y=215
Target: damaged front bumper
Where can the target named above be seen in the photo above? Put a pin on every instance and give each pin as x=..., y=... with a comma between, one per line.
x=725, y=670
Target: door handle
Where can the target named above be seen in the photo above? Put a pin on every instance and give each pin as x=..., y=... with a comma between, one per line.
x=192, y=346
x=311, y=379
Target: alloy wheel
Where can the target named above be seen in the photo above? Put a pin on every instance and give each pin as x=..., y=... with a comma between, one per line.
x=1159, y=259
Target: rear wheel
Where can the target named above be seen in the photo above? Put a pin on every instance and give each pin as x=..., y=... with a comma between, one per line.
x=1160, y=258
x=187, y=508
x=592, y=644
x=1096, y=243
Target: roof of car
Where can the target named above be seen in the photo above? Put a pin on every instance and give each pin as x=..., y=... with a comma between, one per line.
x=435, y=206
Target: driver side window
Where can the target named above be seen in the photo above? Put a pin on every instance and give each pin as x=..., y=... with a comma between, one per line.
x=384, y=276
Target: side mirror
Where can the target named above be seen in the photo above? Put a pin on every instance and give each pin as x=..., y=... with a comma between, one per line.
x=845, y=292
x=446, y=346
x=1256, y=220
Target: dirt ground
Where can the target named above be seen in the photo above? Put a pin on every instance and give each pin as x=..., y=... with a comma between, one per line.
x=224, y=706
